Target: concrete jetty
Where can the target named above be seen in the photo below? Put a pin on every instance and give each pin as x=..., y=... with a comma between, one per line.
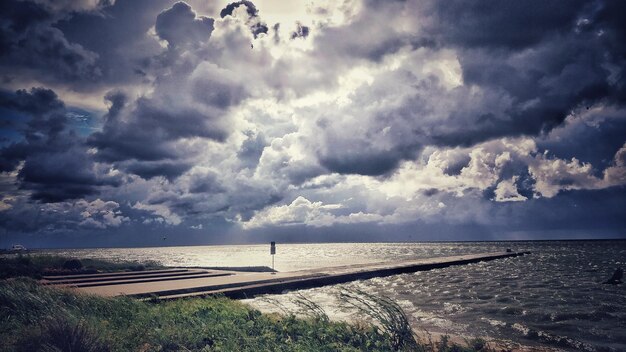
x=189, y=282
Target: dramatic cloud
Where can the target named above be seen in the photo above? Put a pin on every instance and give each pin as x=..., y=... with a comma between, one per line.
x=179, y=25
x=51, y=159
x=100, y=214
x=256, y=26
x=32, y=48
x=241, y=120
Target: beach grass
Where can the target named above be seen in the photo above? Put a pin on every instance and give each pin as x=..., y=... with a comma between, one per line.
x=36, y=265
x=42, y=318
x=34, y=317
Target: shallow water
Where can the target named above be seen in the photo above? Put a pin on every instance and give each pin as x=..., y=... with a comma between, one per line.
x=553, y=297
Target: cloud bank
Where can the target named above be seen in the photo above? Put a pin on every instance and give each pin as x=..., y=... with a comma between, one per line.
x=230, y=122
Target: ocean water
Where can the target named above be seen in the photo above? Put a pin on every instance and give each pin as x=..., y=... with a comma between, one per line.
x=553, y=297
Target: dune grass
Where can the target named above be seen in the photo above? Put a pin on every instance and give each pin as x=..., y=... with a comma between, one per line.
x=41, y=318
x=34, y=317
x=36, y=265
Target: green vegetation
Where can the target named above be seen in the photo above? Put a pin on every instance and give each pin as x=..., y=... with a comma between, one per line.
x=34, y=317
x=39, y=318
x=35, y=266
x=387, y=313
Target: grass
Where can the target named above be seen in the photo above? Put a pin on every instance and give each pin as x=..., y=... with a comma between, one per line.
x=62, y=334
x=35, y=266
x=33, y=315
x=43, y=318
x=388, y=314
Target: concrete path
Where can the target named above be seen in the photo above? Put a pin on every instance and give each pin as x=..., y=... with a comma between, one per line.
x=186, y=282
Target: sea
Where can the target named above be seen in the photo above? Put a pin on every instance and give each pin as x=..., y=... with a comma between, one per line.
x=553, y=298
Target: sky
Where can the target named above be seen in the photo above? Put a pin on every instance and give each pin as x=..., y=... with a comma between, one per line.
x=158, y=122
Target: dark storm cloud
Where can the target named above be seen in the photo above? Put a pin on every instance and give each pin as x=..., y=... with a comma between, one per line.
x=148, y=131
x=510, y=25
x=141, y=136
x=362, y=163
x=121, y=140
x=205, y=184
x=611, y=20
x=136, y=139
x=582, y=214
x=373, y=33
x=219, y=92
x=30, y=46
x=257, y=27
x=250, y=8
x=179, y=25
x=37, y=101
x=62, y=218
x=118, y=34
x=59, y=175
x=524, y=182
x=454, y=167
x=65, y=7
x=209, y=128
x=150, y=169
x=584, y=210
x=180, y=123
x=553, y=80
x=251, y=149
x=56, y=165
x=300, y=32
x=594, y=142
x=572, y=48
x=533, y=64
x=42, y=119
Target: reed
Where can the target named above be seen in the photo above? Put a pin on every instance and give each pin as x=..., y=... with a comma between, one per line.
x=37, y=265
x=43, y=318
x=30, y=312
x=387, y=314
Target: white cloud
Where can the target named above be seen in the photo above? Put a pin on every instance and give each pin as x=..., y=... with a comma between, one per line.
x=162, y=211
x=100, y=214
x=303, y=211
x=506, y=191
x=300, y=211
x=554, y=175
x=364, y=121
x=615, y=175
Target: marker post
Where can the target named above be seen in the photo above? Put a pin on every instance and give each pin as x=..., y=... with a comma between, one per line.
x=273, y=252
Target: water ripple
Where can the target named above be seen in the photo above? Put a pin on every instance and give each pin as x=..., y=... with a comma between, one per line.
x=553, y=297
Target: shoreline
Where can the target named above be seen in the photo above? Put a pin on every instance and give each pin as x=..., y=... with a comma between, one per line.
x=496, y=344
x=51, y=316
x=16, y=290
x=234, y=284
x=501, y=344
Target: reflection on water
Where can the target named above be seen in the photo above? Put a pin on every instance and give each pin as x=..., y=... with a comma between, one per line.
x=289, y=256
x=553, y=297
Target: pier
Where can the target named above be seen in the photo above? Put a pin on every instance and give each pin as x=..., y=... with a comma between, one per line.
x=178, y=283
